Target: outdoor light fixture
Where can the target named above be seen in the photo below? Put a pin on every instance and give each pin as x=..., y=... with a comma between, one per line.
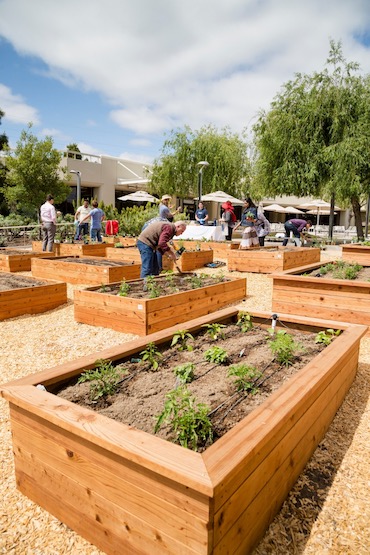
x=201, y=165
x=78, y=176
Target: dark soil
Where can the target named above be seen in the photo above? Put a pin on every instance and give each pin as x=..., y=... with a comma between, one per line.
x=96, y=261
x=166, y=284
x=10, y=281
x=8, y=252
x=142, y=391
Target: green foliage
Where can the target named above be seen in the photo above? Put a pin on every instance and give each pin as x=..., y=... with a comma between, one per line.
x=189, y=420
x=219, y=277
x=196, y=281
x=185, y=372
x=152, y=355
x=245, y=377
x=181, y=338
x=215, y=330
x=170, y=281
x=152, y=287
x=176, y=170
x=284, y=347
x=244, y=321
x=131, y=220
x=33, y=172
x=124, y=288
x=341, y=269
x=326, y=336
x=216, y=354
x=104, y=379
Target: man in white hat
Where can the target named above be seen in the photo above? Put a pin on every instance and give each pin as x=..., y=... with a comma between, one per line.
x=164, y=210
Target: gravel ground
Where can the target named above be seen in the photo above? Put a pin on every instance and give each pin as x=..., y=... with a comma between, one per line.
x=327, y=512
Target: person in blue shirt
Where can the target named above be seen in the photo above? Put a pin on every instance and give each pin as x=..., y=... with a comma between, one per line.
x=97, y=216
x=201, y=215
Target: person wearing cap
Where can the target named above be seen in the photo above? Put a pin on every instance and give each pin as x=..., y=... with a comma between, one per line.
x=228, y=218
x=48, y=217
x=153, y=239
x=164, y=210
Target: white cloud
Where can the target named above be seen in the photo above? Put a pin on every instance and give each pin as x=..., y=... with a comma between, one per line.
x=15, y=108
x=161, y=65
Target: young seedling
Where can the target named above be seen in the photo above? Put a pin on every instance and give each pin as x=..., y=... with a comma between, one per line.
x=220, y=277
x=185, y=372
x=196, y=281
x=104, y=379
x=170, y=281
x=124, y=288
x=245, y=377
x=152, y=355
x=216, y=355
x=181, y=338
x=189, y=420
x=326, y=336
x=244, y=321
x=284, y=347
x=152, y=287
x=215, y=331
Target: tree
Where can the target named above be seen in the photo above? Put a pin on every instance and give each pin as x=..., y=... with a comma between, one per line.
x=4, y=143
x=315, y=139
x=176, y=171
x=33, y=172
x=73, y=147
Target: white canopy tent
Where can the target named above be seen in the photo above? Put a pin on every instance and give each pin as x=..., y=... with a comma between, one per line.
x=317, y=206
x=220, y=196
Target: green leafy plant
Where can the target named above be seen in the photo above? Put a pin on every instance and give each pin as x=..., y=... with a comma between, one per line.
x=244, y=321
x=326, y=336
x=104, y=379
x=216, y=354
x=185, y=372
x=219, y=277
x=245, y=377
x=103, y=288
x=341, y=269
x=170, y=281
x=181, y=338
x=124, y=288
x=196, y=281
x=152, y=287
x=284, y=347
x=189, y=420
x=215, y=330
x=152, y=355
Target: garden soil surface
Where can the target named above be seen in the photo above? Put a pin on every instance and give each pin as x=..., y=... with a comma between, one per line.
x=95, y=261
x=142, y=391
x=9, y=281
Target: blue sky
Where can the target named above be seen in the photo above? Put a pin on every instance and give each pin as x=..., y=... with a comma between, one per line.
x=116, y=76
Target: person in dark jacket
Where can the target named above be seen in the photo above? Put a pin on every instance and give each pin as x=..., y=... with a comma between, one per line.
x=297, y=227
x=155, y=238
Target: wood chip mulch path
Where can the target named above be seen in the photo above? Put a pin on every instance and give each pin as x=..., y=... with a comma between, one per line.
x=327, y=511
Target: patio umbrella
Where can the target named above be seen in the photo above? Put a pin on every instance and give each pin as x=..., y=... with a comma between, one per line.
x=292, y=210
x=317, y=205
x=274, y=208
x=220, y=196
x=139, y=196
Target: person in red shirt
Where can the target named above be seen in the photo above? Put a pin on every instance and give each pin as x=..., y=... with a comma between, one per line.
x=155, y=238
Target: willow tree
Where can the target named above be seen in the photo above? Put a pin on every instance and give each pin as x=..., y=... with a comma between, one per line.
x=176, y=171
x=315, y=140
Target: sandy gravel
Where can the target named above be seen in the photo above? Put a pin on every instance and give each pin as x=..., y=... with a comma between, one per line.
x=327, y=512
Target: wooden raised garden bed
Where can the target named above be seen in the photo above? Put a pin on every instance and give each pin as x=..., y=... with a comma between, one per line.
x=336, y=299
x=356, y=253
x=147, y=315
x=127, y=491
x=126, y=254
x=270, y=259
x=88, y=270
x=25, y=295
x=189, y=260
x=13, y=260
x=220, y=248
x=77, y=249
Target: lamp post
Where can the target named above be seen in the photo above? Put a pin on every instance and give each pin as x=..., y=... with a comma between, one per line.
x=201, y=165
x=78, y=195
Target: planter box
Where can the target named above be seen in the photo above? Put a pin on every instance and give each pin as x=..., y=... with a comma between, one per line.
x=101, y=272
x=270, y=259
x=189, y=261
x=125, y=254
x=143, y=316
x=20, y=261
x=220, y=248
x=335, y=299
x=129, y=492
x=127, y=241
x=80, y=249
x=356, y=253
x=32, y=300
